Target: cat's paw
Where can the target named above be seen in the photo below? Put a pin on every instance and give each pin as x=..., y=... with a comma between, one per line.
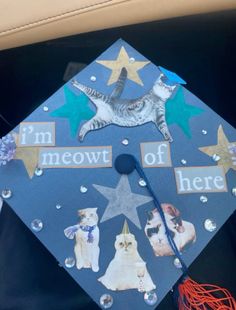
x=81, y=137
x=79, y=266
x=74, y=82
x=95, y=268
x=168, y=137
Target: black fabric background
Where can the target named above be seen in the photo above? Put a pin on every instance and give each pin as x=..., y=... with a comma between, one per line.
x=201, y=49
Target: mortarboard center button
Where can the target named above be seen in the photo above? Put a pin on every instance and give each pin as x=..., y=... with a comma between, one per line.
x=125, y=164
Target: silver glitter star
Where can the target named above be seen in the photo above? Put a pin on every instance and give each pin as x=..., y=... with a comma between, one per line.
x=122, y=201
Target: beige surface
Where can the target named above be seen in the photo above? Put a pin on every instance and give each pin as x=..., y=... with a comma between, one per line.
x=28, y=21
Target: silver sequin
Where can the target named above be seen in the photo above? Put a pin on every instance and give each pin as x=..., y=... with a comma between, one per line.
x=6, y=193
x=177, y=263
x=106, y=301
x=83, y=189
x=69, y=262
x=93, y=78
x=150, y=298
x=38, y=172
x=233, y=191
x=125, y=141
x=215, y=157
x=210, y=225
x=142, y=183
x=203, y=199
x=36, y=225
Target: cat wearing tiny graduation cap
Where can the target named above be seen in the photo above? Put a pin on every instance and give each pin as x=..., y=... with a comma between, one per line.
x=127, y=270
x=128, y=112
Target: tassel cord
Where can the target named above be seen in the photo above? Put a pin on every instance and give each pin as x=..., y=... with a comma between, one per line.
x=192, y=295
x=158, y=206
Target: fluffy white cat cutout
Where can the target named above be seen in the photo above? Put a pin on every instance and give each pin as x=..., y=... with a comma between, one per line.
x=86, y=234
x=127, y=270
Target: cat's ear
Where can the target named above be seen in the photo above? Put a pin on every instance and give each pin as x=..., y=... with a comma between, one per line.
x=173, y=87
x=80, y=213
x=160, y=77
x=95, y=209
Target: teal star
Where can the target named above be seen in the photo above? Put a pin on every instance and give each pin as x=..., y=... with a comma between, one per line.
x=76, y=109
x=178, y=112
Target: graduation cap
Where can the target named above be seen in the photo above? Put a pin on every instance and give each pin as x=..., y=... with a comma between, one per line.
x=125, y=176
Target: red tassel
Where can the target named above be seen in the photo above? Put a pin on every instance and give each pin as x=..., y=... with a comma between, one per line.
x=195, y=296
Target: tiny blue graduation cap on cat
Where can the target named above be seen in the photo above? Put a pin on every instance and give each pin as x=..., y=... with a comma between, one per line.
x=130, y=157
x=171, y=77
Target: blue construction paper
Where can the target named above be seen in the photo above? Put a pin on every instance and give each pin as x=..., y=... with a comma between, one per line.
x=37, y=198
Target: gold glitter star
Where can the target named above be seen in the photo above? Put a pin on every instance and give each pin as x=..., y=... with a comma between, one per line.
x=29, y=156
x=222, y=149
x=123, y=60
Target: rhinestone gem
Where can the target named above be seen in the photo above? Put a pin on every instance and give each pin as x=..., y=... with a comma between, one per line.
x=125, y=142
x=83, y=189
x=210, y=225
x=132, y=60
x=177, y=263
x=142, y=183
x=1, y=203
x=93, y=78
x=204, y=132
x=58, y=207
x=234, y=191
x=6, y=193
x=215, y=157
x=38, y=172
x=150, y=298
x=69, y=262
x=36, y=225
x=203, y=199
x=183, y=162
x=46, y=109
x=106, y=301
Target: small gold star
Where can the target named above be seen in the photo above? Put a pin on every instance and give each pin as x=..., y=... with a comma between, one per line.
x=222, y=149
x=29, y=156
x=123, y=60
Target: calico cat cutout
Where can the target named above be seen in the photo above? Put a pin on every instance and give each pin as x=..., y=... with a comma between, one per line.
x=182, y=232
x=86, y=234
x=128, y=112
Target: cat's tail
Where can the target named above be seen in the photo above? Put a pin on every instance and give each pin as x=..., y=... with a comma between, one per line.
x=118, y=90
x=71, y=231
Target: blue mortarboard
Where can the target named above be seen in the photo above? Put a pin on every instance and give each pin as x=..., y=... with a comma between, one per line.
x=172, y=78
x=122, y=175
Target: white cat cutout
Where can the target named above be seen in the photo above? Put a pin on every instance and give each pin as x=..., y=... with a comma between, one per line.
x=86, y=234
x=127, y=270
